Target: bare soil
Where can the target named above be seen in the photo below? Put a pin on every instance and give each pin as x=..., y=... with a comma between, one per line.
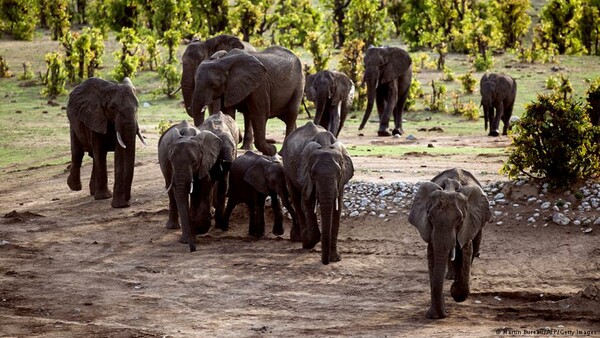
x=73, y=266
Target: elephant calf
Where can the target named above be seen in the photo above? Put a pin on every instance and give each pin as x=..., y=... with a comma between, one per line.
x=498, y=92
x=450, y=212
x=253, y=177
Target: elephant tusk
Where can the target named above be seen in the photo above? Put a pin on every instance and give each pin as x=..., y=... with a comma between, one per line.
x=315, y=207
x=191, y=187
x=120, y=140
x=139, y=134
x=203, y=109
x=453, y=254
x=169, y=188
x=337, y=203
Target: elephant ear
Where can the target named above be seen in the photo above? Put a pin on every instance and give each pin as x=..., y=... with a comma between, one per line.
x=398, y=62
x=347, y=165
x=210, y=147
x=420, y=208
x=310, y=91
x=304, y=169
x=477, y=213
x=246, y=73
x=86, y=105
x=255, y=176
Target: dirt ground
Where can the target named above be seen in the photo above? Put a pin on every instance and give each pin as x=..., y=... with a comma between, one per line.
x=72, y=266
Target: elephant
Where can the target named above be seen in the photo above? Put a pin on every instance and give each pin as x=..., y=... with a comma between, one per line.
x=333, y=93
x=227, y=130
x=388, y=74
x=259, y=84
x=102, y=118
x=187, y=156
x=498, y=92
x=449, y=212
x=317, y=167
x=253, y=177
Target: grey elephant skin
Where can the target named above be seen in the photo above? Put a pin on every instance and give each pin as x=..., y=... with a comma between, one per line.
x=261, y=85
x=498, y=93
x=388, y=74
x=253, y=177
x=317, y=167
x=186, y=156
x=449, y=212
x=227, y=130
x=333, y=93
x=102, y=118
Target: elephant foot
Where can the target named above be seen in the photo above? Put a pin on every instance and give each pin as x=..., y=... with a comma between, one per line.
x=102, y=194
x=295, y=234
x=192, y=243
x=172, y=225
x=494, y=133
x=335, y=256
x=74, y=183
x=433, y=314
x=383, y=133
x=247, y=146
x=459, y=293
x=120, y=203
x=278, y=230
x=257, y=234
x=311, y=240
x=397, y=131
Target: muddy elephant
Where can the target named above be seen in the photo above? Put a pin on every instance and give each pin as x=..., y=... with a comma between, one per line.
x=102, y=118
x=186, y=156
x=317, y=167
x=253, y=177
x=449, y=212
x=333, y=93
x=227, y=130
x=261, y=85
x=498, y=92
x=388, y=74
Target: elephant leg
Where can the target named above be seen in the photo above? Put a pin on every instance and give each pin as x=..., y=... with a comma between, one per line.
x=403, y=90
x=99, y=176
x=460, y=288
x=476, y=244
x=506, y=117
x=296, y=230
x=259, y=229
x=248, y=134
x=496, y=121
x=277, y=215
x=258, y=120
x=252, y=216
x=74, y=179
x=310, y=233
x=389, y=107
x=219, y=200
x=200, y=207
x=173, y=221
x=380, y=103
x=231, y=203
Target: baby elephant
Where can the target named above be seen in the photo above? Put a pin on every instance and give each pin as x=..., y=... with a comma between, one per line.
x=253, y=177
x=450, y=212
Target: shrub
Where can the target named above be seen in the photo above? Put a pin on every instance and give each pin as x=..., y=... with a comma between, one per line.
x=351, y=64
x=438, y=97
x=468, y=82
x=163, y=125
x=448, y=74
x=554, y=142
x=170, y=77
x=56, y=76
x=128, y=60
x=468, y=110
x=317, y=46
x=415, y=91
x=27, y=73
x=484, y=62
x=593, y=99
x=19, y=17
x=552, y=82
x=4, y=69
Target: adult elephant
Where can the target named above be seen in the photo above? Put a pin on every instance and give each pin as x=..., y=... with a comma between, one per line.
x=194, y=54
x=186, y=156
x=498, y=92
x=449, y=212
x=102, y=118
x=388, y=74
x=253, y=177
x=227, y=130
x=333, y=93
x=262, y=85
x=317, y=167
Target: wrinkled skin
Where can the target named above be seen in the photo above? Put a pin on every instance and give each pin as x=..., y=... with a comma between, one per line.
x=99, y=113
x=227, y=130
x=333, y=93
x=498, y=92
x=253, y=177
x=186, y=156
x=261, y=85
x=449, y=212
x=317, y=167
x=388, y=73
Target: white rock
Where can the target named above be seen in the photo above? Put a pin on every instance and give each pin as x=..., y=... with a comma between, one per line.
x=499, y=223
x=497, y=213
x=559, y=218
x=597, y=221
x=354, y=213
x=499, y=196
x=545, y=205
x=576, y=222
x=587, y=231
x=555, y=208
x=531, y=220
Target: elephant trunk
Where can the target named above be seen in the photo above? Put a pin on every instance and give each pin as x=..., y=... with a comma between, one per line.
x=320, y=105
x=327, y=201
x=199, y=106
x=124, y=164
x=187, y=86
x=371, y=81
x=438, y=268
x=182, y=189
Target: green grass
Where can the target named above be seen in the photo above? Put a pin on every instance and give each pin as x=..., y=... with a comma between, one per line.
x=403, y=150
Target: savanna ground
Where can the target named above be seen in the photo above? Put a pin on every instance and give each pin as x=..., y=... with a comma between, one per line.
x=72, y=266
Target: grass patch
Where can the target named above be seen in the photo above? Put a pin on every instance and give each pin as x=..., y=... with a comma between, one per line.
x=377, y=150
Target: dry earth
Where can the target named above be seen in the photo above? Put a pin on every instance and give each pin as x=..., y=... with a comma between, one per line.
x=72, y=266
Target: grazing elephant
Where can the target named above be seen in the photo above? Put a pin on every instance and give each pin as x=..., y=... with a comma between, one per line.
x=102, y=118
x=253, y=177
x=261, y=85
x=333, y=93
x=498, y=92
x=227, y=130
x=388, y=74
x=317, y=167
x=450, y=212
x=187, y=156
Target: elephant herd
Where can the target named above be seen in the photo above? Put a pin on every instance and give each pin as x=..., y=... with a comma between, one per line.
x=205, y=178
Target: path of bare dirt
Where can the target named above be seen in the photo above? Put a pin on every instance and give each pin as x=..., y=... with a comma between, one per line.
x=72, y=266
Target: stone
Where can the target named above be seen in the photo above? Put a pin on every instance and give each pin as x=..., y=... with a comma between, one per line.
x=499, y=196
x=597, y=221
x=561, y=219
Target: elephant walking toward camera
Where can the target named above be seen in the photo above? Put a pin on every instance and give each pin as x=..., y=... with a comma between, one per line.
x=450, y=212
x=498, y=93
x=388, y=74
x=317, y=167
x=253, y=177
x=102, y=118
x=187, y=158
x=333, y=93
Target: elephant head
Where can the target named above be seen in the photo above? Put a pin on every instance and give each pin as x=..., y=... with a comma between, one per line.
x=98, y=107
x=498, y=92
x=449, y=212
x=382, y=66
x=186, y=156
x=194, y=54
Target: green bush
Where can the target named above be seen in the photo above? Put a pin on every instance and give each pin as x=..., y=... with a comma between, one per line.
x=448, y=74
x=163, y=125
x=170, y=77
x=56, y=76
x=484, y=62
x=414, y=92
x=351, y=64
x=438, y=97
x=128, y=58
x=4, y=69
x=554, y=142
x=27, y=73
x=468, y=82
x=552, y=82
x=19, y=17
x=317, y=46
x=593, y=99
